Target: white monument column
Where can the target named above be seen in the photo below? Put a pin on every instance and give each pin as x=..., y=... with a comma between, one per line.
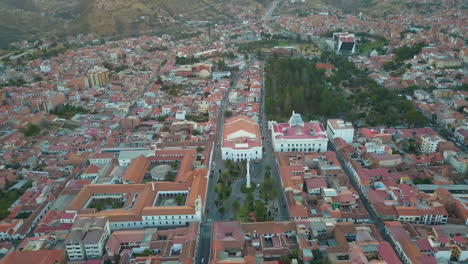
x=248, y=175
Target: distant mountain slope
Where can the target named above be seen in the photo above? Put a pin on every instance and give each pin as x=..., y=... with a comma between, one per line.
x=102, y=17
x=107, y=16
x=17, y=24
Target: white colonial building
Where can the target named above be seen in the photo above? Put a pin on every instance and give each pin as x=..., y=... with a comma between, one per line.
x=339, y=128
x=241, y=139
x=298, y=136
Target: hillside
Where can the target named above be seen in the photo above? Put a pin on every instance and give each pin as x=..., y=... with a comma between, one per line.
x=376, y=8
x=105, y=17
x=121, y=16
x=16, y=25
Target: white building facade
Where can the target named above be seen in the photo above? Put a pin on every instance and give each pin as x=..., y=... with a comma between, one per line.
x=298, y=136
x=241, y=139
x=339, y=128
x=430, y=143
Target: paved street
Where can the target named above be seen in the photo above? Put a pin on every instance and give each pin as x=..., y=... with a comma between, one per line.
x=257, y=174
x=271, y=10
x=373, y=216
x=269, y=158
x=211, y=212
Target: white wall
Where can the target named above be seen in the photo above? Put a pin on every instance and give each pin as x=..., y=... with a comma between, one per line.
x=241, y=154
x=305, y=145
x=347, y=134
x=155, y=221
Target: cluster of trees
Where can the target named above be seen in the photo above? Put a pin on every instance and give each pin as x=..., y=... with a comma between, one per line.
x=107, y=203
x=67, y=111
x=393, y=66
x=226, y=178
x=7, y=198
x=172, y=89
x=268, y=192
x=228, y=113
x=407, y=52
x=221, y=65
x=23, y=215
x=14, y=82
x=32, y=130
x=199, y=118
x=170, y=176
x=256, y=207
x=427, y=180
x=186, y=60
x=229, y=55
x=112, y=67
x=157, y=48
x=180, y=200
x=296, y=84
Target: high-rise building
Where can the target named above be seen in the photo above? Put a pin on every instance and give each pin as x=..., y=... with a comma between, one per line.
x=98, y=76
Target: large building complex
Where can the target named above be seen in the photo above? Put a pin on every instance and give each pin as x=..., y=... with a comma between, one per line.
x=296, y=135
x=241, y=139
x=144, y=205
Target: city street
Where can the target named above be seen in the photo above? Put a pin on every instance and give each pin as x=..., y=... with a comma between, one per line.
x=211, y=212
x=257, y=174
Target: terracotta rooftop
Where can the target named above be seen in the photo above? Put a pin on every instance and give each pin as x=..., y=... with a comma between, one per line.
x=39, y=257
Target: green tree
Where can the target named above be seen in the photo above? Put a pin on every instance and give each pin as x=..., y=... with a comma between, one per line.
x=224, y=177
x=221, y=210
x=179, y=200
x=415, y=118
x=32, y=130
x=170, y=176
x=235, y=207
x=260, y=210
x=228, y=113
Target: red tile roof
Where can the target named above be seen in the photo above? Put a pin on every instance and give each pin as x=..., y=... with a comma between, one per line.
x=39, y=257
